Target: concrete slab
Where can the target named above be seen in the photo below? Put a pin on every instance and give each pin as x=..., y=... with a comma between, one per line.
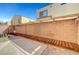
x=54, y=50
x=21, y=46
x=30, y=46
x=7, y=48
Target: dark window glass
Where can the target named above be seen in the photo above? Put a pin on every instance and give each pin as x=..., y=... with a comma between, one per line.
x=43, y=13
x=63, y=3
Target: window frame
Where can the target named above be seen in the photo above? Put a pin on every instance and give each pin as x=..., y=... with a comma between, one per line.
x=43, y=13
x=63, y=3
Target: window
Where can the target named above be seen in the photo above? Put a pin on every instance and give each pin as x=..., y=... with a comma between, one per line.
x=18, y=21
x=63, y=3
x=43, y=13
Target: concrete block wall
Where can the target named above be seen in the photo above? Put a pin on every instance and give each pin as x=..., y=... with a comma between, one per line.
x=63, y=33
x=65, y=30
x=20, y=29
x=59, y=30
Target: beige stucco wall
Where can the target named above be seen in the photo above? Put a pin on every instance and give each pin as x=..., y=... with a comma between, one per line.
x=65, y=30
x=25, y=20
x=62, y=10
x=18, y=20
x=57, y=10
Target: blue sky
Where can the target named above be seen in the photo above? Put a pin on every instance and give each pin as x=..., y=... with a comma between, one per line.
x=8, y=10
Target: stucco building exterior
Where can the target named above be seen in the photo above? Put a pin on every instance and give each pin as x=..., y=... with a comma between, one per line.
x=18, y=20
x=56, y=10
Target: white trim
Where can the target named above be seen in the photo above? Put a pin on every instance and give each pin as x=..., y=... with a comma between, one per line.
x=36, y=49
